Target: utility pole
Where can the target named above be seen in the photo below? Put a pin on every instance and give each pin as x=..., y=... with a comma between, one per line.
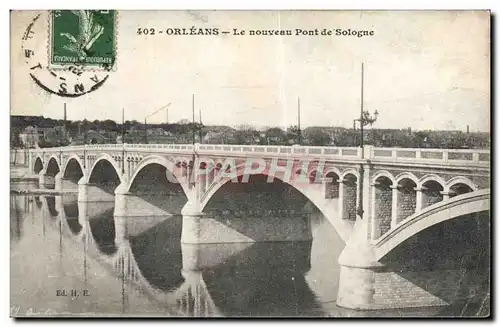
x=123, y=140
x=85, y=135
x=64, y=126
x=361, y=144
x=361, y=167
x=123, y=125
x=201, y=129
x=194, y=134
x=192, y=172
x=299, y=132
x=364, y=119
x=354, y=127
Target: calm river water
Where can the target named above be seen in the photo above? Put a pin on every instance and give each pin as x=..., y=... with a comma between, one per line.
x=56, y=269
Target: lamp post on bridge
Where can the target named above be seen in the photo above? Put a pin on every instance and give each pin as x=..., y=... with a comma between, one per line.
x=365, y=118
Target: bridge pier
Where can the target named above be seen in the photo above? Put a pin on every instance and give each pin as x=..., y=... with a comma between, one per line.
x=419, y=197
x=192, y=225
x=358, y=267
x=61, y=183
x=58, y=181
x=215, y=228
x=128, y=204
x=83, y=216
x=394, y=209
x=88, y=192
x=41, y=178
x=193, y=298
x=121, y=231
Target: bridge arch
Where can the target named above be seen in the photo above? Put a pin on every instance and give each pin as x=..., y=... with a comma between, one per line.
x=349, y=171
x=73, y=168
x=382, y=198
x=109, y=159
x=38, y=165
x=408, y=176
x=51, y=170
x=431, y=177
x=384, y=173
x=218, y=183
x=459, y=185
x=334, y=170
x=349, y=194
x=239, y=205
x=406, y=197
x=461, y=205
x=332, y=183
x=312, y=176
x=432, y=192
x=53, y=166
x=158, y=160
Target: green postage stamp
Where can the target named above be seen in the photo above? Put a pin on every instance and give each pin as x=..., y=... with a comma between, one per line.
x=83, y=37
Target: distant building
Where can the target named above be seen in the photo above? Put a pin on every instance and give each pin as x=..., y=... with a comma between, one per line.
x=29, y=137
x=96, y=137
x=214, y=138
x=155, y=131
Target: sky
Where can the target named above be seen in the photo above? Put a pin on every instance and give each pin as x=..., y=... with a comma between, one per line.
x=424, y=70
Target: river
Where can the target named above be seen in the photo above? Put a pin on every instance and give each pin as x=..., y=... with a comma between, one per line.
x=60, y=268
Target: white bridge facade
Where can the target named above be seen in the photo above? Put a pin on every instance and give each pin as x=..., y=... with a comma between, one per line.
x=403, y=191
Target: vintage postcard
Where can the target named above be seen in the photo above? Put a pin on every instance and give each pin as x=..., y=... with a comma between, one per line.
x=287, y=163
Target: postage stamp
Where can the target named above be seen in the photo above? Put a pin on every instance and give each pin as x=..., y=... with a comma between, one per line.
x=69, y=53
x=85, y=37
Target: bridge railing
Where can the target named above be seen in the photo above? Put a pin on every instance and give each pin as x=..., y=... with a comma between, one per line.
x=281, y=150
x=410, y=155
x=450, y=156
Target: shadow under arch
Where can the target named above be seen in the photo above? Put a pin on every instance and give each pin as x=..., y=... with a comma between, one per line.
x=52, y=170
x=38, y=166
x=73, y=170
x=156, y=184
x=450, y=260
x=257, y=209
x=104, y=175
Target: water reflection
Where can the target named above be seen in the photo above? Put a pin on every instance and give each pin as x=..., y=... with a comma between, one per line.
x=149, y=272
x=70, y=207
x=102, y=228
x=264, y=279
x=158, y=254
x=38, y=202
x=19, y=210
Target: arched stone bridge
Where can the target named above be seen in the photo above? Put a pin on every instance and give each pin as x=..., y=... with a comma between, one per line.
x=218, y=188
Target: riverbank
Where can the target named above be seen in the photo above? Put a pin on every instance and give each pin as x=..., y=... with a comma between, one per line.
x=42, y=192
x=21, y=172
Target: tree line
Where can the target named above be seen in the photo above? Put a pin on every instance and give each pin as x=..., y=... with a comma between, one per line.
x=182, y=132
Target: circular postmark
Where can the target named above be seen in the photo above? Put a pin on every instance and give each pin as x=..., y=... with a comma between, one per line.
x=79, y=55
